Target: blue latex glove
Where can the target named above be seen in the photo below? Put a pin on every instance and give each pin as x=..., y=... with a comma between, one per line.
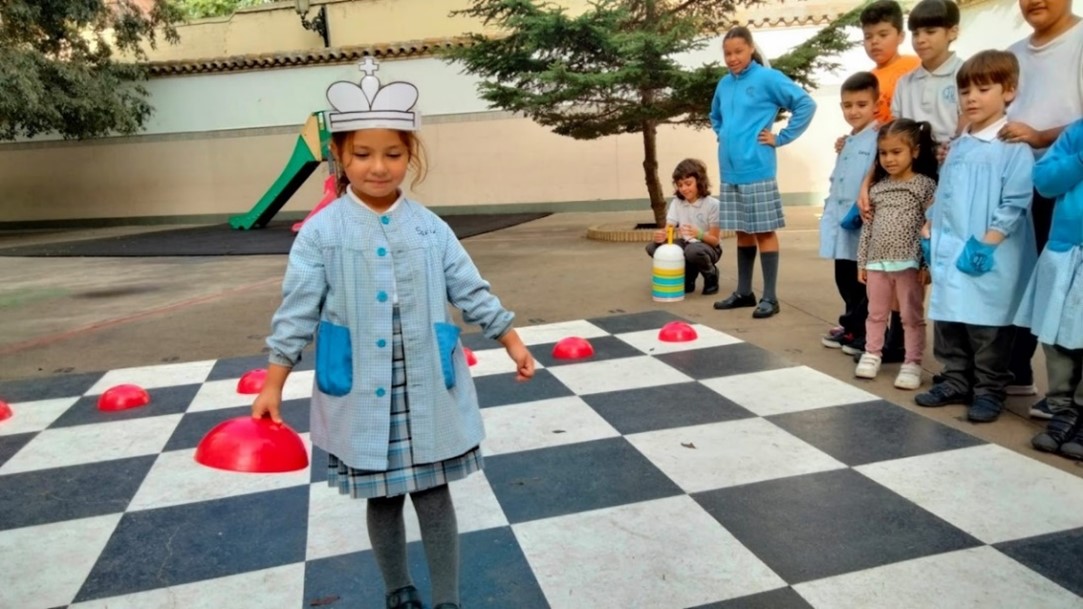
x=977, y=257
x=927, y=251
x=852, y=219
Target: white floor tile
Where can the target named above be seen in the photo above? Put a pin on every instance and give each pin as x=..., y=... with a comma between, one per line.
x=542, y=424
x=647, y=341
x=298, y=385
x=216, y=395
x=787, y=390
x=336, y=523
x=93, y=443
x=719, y=455
x=616, y=374
x=988, y=491
x=34, y=416
x=148, y=377
x=662, y=553
x=277, y=588
x=44, y=566
x=176, y=478
x=551, y=333
x=978, y=578
x=495, y=361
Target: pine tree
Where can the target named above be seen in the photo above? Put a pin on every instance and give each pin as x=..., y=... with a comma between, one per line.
x=613, y=69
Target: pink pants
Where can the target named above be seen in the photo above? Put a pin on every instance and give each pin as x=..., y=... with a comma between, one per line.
x=882, y=288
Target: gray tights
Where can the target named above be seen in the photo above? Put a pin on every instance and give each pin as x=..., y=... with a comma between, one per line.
x=439, y=534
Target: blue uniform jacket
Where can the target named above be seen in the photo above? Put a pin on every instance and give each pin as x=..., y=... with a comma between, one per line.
x=851, y=167
x=1053, y=304
x=344, y=267
x=985, y=184
x=744, y=105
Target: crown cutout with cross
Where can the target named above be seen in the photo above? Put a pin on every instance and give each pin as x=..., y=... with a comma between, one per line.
x=370, y=105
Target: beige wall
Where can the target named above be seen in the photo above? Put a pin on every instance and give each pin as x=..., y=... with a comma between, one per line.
x=474, y=160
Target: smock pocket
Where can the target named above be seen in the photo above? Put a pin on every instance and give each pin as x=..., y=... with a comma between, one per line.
x=334, y=359
x=447, y=337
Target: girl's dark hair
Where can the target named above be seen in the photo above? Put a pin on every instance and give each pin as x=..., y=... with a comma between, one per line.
x=744, y=34
x=693, y=168
x=414, y=148
x=919, y=135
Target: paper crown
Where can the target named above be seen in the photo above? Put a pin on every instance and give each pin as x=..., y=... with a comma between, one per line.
x=371, y=106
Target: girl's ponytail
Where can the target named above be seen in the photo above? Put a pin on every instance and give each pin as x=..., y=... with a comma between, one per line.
x=926, y=163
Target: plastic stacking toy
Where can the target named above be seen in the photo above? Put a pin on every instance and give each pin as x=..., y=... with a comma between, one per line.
x=5, y=411
x=252, y=445
x=123, y=397
x=471, y=359
x=677, y=332
x=252, y=381
x=667, y=284
x=572, y=347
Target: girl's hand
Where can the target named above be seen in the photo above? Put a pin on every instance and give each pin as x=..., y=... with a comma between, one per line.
x=517, y=351
x=862, y=275
x=942, y=152
x=839, y=143
x=864, y=204
x=659, y=236
x=767, y=138
x=267, y=403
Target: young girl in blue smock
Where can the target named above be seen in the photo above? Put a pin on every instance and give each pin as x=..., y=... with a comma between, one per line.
x=1053, y=304
x=982, y=247
x=370, y=278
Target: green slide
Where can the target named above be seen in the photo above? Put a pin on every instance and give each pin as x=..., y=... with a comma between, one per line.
x=302, y=164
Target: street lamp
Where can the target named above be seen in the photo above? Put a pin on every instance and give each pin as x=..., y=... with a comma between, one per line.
x=318, y=24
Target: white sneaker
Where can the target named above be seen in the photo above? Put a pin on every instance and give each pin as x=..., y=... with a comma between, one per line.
x=868, y=366
x=909, y=377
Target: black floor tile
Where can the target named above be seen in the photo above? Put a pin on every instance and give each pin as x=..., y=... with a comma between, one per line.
x=664, y=407
x=48, y=387
x=819, y=525
x=9, y=445
x=192, y=542
x=635, y=322
x=195, y=425
x=574, y=478
x=783, y=598
x=740, y=358
x=163, y=400
x=503, y=389
x=857, y=434
x=605, y=348
x=1057, y=556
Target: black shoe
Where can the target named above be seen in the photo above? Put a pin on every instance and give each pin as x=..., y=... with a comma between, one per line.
x=736, y=301
x=690, y=281
x=1058, y=431
x=404, y=598
x=446, y=606
x=766, y=308
x=710, y=282
x=985, y=409
x=941, y=394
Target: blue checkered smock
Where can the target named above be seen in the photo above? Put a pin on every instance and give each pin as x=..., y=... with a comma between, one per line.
x=344, y=267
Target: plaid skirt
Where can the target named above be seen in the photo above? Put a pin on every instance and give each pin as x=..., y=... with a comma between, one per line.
x=751, y=208
x=403, y=475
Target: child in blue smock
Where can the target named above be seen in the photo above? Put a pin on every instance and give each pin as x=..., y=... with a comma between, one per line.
x=982, y=244
x=370, y=278
x=840, y=225
x=1053, y=304
x=745, y=105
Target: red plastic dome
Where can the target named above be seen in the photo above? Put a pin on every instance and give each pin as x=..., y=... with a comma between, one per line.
x=573, y=347
x=123, y=397
x=471, y=359
x=677, y=332
x=5, y=411
x=252, y=445
x=252, y=381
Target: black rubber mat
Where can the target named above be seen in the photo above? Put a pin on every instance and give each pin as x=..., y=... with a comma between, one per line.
x=221, y=240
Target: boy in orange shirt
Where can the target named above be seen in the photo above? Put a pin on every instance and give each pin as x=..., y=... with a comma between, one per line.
x=882, y=29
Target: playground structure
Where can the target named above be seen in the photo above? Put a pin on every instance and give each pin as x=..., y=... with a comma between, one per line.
x=311, y=148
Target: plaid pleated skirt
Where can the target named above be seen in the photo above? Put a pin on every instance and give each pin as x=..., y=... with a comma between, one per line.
x=403, y=474
x=751, y=208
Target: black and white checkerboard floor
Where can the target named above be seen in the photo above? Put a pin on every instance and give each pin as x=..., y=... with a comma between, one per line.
x=653, y=475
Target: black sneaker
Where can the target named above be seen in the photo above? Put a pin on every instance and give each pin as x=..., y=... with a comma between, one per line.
x=985, y=409
x=766, y=308
x=736, y=301
x=855, y=346
x=941, y=394
x=1058, y=431
x=406, y=597
x=1040, y=410
x=690, y=277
